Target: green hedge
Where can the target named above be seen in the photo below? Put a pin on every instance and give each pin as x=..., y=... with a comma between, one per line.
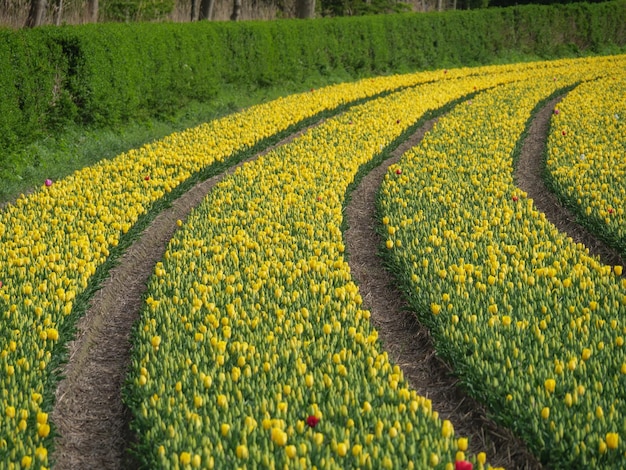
x=105, y=74
x=29, y=71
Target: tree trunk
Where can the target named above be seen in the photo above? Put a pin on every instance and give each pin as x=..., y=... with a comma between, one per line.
x=93, y=8
x=36, y=14
x=305, y=9
x=236, y=10
x=194, y=10
x=58, y=12
x=439, y=5
x=206, y=9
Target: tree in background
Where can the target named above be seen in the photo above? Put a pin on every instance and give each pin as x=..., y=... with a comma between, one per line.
x=137, y=10
x=305, y=9
x=93, y=10
x=510, y=3
x=202, y=9
x=236, y=14
x=17, y=13
x=206, y=9
x=362, y=7
x=36, y=13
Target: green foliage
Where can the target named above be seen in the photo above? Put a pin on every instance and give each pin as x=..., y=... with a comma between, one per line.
x=109, y=74
x=361, y=7
x=9, y=104
x=122, y=72
x=30, y=99
x=137, y=10
x=509, y=3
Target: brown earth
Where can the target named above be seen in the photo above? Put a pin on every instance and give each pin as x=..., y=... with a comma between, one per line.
x=92, y=422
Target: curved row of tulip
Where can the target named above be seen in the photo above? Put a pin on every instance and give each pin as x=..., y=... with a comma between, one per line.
x=53, y=241
x=252, y=347
x=586, y=148
x=533, y=325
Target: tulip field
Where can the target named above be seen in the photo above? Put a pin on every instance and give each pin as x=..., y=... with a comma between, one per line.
x=253, y=348
x=45, y=267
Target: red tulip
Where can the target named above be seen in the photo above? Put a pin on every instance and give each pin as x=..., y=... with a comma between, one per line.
x=312, y=421
x=564, y=133
x=556, y=111
x=48, y=182
x=610, y=210
x=463, y=465
x=399, y=171
x=147, y=178
x=1, y=284
x=515, y=198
